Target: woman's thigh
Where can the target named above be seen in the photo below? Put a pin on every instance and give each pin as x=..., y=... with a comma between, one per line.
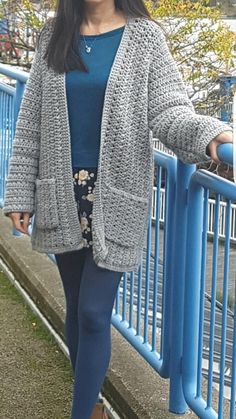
x=97, y=291
x=70, y=266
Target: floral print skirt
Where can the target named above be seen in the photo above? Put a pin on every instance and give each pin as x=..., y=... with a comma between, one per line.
x=84, y=180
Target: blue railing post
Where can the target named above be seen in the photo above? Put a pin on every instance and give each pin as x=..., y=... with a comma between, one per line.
x=169, y=163
x=177, y=402
x=193, y=283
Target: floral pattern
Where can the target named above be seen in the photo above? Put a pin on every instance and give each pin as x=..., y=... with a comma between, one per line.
x=84, y=181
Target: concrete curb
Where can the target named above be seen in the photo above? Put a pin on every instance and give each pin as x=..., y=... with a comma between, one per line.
x=131, y=386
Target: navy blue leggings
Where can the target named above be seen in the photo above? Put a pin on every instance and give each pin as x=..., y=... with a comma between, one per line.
x=90, y=293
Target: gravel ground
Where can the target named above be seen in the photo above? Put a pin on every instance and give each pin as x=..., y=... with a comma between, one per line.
x=35, y=376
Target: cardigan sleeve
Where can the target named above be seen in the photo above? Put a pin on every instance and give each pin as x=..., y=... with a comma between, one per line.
x=171, y=114
x=23, y=165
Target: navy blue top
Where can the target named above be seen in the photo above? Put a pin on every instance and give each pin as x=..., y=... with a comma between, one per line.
x=85, y=96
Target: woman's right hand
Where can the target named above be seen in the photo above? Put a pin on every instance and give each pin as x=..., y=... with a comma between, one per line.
x=20, y=221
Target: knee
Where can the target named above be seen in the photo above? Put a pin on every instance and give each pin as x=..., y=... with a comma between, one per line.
x=92, y=320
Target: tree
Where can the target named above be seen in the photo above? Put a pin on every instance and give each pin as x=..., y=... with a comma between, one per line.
x=202, y=45
x=204, y=48
x=23, y=19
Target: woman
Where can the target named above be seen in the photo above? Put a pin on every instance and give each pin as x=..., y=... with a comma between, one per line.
x=102, y=83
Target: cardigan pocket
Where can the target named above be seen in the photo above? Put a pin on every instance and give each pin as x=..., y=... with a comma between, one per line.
x=125, y=217
x=46, y=212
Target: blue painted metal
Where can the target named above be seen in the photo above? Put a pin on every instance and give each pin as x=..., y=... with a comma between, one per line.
x=225, y=153
x=202, y=285
x=194, y=292
x=164, y=161
x=147, y=284
x=139, y=300
x=233, y=365
x=14, y=73
x=177, y=402
x=213, y=300
x=8, y=121
x=224, y=312
x=6, y=132
x=160, y=310
x=140, y=336
x=155, y=273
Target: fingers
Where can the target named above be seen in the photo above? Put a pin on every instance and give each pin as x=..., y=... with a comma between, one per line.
x=224, y=170
x=25, y=223
x=222, y=138
x=20, y=221
x=212, y=147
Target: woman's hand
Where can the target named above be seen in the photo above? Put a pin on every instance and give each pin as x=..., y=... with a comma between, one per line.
x=20, y=221
x=211, y=149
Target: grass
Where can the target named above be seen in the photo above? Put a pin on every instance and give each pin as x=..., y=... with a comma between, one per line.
x=36, y=376
x=230, y=299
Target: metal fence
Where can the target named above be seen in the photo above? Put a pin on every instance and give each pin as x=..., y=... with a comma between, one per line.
x=169, y=311
x=221, y=342
x=211, y=207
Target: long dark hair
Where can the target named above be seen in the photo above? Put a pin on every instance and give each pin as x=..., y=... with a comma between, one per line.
x=60, y=53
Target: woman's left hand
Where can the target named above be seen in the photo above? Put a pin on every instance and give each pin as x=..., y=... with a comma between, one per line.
x=223, y=137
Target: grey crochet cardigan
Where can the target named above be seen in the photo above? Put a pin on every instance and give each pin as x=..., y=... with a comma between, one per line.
x=145, y=97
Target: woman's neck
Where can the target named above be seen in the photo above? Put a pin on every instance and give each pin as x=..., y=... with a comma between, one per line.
x=100, y=20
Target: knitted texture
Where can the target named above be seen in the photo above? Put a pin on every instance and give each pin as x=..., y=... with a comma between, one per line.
x=145, y=97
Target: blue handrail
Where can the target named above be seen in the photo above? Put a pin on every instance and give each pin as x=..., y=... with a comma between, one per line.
x=225, y=153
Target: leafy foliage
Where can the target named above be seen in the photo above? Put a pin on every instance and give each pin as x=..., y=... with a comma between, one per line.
x=25, y=20
x=201, y=43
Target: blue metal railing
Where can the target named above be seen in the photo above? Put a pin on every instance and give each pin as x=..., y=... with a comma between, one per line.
x=6, y=127
x=151, y=305
x=201, y=182
x=10, y=100
x=161, y=310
